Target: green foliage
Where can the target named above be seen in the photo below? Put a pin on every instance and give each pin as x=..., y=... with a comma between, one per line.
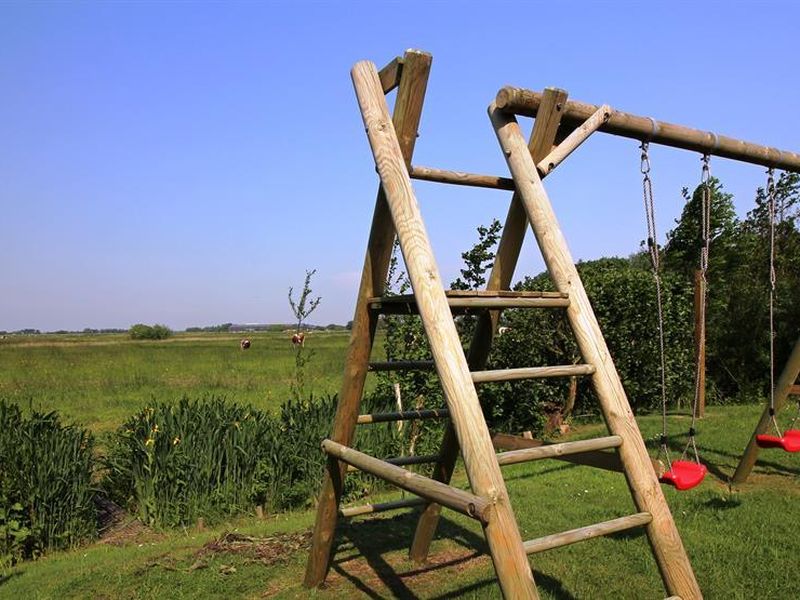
x=141, y=331
x=173, y=463
x=302, y=309
x=623, y=298
x=45, y=484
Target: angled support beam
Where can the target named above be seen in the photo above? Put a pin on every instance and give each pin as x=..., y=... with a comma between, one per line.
x=573, y=140
x=508, y=250
x=670, y=555
x=502, y=534
x=407, y=114
x=783, y=387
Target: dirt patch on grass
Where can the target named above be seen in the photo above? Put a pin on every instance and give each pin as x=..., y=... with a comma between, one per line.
x=118, y=527
x=267, y=551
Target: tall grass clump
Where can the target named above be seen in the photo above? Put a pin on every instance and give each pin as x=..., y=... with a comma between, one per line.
x=46, y=496
x=174, y=463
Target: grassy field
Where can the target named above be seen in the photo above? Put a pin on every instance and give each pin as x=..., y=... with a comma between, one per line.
x=99, y=380
x=742, y=543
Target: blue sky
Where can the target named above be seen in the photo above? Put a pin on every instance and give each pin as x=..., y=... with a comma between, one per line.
x=186, y=162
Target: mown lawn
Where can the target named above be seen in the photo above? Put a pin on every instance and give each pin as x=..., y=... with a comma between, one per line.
x=100, y=380
x=742, y=543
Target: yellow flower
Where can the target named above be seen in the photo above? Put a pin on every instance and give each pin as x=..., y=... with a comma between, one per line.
x=149, y=442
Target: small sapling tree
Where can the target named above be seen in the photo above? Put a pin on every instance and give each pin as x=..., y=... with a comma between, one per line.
x=302, y=309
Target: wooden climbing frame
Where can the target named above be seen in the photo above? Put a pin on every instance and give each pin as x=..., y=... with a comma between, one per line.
x=561, y=126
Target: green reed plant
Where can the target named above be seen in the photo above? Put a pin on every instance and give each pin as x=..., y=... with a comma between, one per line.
x=46, y=494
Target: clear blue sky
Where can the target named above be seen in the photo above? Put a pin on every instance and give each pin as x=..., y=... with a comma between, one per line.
x=185, y=162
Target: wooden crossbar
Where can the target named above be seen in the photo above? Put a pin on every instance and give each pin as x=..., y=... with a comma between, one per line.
x=405, y=461
x=461, y=178
x=459, y=300
x=453, y=498
x=581, y=534
x=406, y=415
x=390, y=75
x=526, y=102
x=531, y=373
x=402, y=365
x=378, y=507
x=557, y=450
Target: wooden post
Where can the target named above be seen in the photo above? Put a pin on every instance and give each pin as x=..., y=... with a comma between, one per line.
x=700, y=344
x=673, y=563
x=407, y=112
x=503, y=537
x=508, y=250
x=783, y=387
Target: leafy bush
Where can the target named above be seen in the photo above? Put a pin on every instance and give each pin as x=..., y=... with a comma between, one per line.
x=45, y=484
x=623, y=298
x=141, y=331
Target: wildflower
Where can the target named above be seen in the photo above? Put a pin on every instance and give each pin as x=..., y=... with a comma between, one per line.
x=155, y=428
x=176, y=440
x=149, y=442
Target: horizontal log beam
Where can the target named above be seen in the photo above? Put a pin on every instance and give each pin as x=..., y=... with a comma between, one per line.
x=402, y=365
x=581, y=534
x=526, y=102
x=406, y=304
x=390, y=75
x=558, y=450
x=367, y=509
x=531, y=373
x=461, y=178
x=435, y=491
x=406, y=415
x=404, y=461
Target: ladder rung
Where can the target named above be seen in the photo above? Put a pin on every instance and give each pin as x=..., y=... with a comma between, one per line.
x=402, y=365
x=366, y=509
x=466, y=300
x=586, y=533
x=404, y=461
x=461, y=178
x=794, y=390
x=436, y=491
x=406, y=415
x=531, y=373
x=557, y=450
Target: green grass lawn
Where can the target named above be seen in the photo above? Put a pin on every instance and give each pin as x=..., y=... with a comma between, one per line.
x=99, y=380
x=742, y=543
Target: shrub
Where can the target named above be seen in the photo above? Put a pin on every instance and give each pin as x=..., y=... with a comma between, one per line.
x=173, y=463
x=45, y=484
x=141, y=331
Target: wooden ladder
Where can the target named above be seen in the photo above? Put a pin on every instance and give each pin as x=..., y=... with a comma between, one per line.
x=397, y=214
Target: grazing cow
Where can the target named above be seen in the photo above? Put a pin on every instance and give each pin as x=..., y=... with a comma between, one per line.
x=502, y=330
x=298, y=339
x=244, y=344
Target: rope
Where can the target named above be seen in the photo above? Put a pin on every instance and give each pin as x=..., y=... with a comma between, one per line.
x=652, y=249
x=705, y=236
x=772, y=282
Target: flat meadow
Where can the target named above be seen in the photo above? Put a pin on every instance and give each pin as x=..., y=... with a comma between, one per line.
x=99, y=380
x=742, y=541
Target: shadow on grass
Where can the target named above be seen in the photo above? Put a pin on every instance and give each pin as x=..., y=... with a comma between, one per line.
x=5, y=578
x=372, y=540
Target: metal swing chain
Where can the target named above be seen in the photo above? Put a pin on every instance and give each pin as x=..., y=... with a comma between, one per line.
x=652, y=249
x=772, y=282
x=705, y=234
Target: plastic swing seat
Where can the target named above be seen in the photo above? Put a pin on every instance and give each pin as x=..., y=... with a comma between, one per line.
x=789, y=441
x=686, y=474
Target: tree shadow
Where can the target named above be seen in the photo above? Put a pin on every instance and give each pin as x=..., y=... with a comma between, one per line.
x=372, y=539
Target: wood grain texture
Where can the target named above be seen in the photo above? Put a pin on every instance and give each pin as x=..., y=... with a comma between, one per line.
x=453, y=498
x=676, y=571
x=783, y=387
x=558, y=450
x=461, y=178
x=407, y=415
x=390, y=74
x=526, y=102
x=587, y=533
x=581, y=133
x=508, y=250
x=531, y=373
x=505, y=545
x=407, y=114
x=379, y=507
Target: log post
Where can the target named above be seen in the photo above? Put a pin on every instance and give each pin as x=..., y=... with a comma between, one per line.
x=783, y=387
x=508, y=250
x=407, y=113
x=673, y=563
x=503, y=537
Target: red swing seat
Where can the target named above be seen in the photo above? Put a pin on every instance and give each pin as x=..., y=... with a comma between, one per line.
x=789, y=441
x=685, y=474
